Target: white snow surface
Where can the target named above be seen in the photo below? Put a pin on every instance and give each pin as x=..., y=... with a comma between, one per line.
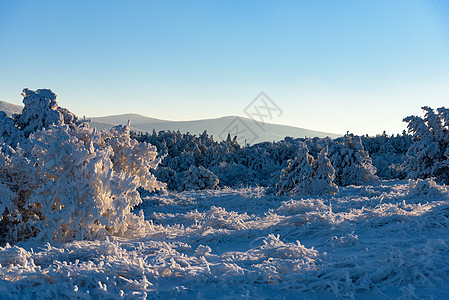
x=387, y=240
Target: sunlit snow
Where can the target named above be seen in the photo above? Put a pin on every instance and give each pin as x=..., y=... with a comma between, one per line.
x=387, y=240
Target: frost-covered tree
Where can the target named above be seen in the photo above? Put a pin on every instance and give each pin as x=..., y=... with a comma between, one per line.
x=67, y=181
x=9, y=133
x=42, y=110
x=351, y=161
x=428, y=156
x=388, y=154
x=198, y=179
x=323, y=182
x=168, y=176
x=260, y=164
x=296, y=178
x=306, y=176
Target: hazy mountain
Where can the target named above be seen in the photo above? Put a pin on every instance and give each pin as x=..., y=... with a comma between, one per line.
x=246, y=129
x=123, y=119
x=10, y=108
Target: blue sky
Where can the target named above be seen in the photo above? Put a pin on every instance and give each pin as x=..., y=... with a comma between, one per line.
x=334, y=66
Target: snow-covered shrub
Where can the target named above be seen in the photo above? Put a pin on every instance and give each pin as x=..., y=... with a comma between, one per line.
x=306, y=176
x=181, y=151
x=428, y=156
x=388, y=154
x=425, y=187
x=323, y=181
x=9, y=133
x=198, y=179
x=295, y=207
x=167, y=176
x=67, y=181
x=41, y=110
x=296, y=178
x=351, y=161
x=233, y=174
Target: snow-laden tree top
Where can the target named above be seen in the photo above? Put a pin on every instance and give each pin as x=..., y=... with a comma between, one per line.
x=428, y=156
x=41, y=110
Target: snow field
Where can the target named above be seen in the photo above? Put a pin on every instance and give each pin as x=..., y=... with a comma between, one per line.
x=388, y=240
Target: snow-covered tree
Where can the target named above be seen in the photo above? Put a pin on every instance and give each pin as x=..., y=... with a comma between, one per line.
x=428, y=156
x=351, y=161
x=296, y=178
x=9, y=134
x=306, y=176
x=388, y=154
x=42, y=110
x=198, y=179
x=67, y=181
x=167, y=176
x=323, y=182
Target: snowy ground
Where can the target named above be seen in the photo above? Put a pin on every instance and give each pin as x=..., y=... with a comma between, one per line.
x=390, y=240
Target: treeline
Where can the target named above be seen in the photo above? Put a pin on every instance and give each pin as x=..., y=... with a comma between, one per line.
x=356, y=160
x=419, y=154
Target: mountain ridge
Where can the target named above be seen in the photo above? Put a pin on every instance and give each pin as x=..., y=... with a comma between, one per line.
x=10, y=108
x=245, y=128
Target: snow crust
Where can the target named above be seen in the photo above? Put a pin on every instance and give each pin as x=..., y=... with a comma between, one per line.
x=387, y=240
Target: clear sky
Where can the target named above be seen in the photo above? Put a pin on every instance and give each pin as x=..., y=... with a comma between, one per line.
x=334, y=66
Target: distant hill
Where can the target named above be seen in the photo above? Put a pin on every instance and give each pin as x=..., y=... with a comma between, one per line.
x=246, y=129
x=10, y=108
x=123, y=119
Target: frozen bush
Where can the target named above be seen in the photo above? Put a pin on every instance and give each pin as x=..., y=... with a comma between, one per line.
x=306, y=176
x=41, y=110
x=323, y=182
x=67, y=181
x=167, y=176
x=351, y=161
x=428, y=156
x=198, y=179
x=9, y=133
x=425, y=187
x=388, y=154
x=296, y=178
